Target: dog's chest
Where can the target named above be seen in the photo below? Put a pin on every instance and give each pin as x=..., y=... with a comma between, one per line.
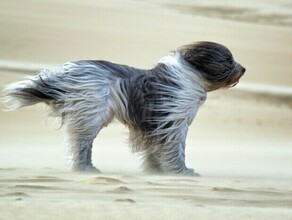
x=194, y=107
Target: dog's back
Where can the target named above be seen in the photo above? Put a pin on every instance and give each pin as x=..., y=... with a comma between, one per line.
x=86, y=79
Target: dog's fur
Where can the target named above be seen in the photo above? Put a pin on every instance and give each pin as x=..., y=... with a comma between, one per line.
x=157, y=104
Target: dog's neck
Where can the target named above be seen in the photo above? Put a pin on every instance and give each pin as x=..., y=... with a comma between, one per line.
x=178, y=66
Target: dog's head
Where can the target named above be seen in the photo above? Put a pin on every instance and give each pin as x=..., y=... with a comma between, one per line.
x=214, y=62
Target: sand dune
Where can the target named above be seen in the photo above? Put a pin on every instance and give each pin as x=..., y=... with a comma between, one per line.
x=63, y=195
x=248, y=11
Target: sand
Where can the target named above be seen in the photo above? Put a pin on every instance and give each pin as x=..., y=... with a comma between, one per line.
x=240, y=142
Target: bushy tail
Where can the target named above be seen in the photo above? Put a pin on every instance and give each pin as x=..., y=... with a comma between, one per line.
x=32, y=90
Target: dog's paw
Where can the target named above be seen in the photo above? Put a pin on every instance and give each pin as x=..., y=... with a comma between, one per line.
x=190, y=172
x=87, y=169
x=91, y=169
x=184, y=172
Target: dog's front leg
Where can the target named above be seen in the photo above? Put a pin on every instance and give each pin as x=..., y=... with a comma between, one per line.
x=172, y=160
x=161, y=159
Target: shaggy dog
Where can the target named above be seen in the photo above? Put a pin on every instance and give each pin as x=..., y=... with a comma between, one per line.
x=157, y=104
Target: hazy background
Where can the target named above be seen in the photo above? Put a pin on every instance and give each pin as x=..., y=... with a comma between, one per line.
x=240, y=141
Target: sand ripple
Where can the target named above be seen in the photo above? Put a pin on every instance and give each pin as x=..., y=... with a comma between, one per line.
x=125, y=200
x=103, y=180
x=107, y=194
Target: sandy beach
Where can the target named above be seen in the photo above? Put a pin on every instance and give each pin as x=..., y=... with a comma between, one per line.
x=240, y=141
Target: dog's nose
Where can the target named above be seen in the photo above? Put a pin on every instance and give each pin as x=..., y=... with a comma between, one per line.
x=243, y=70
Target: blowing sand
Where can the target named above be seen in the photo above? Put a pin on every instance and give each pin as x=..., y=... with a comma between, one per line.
x=240, y=142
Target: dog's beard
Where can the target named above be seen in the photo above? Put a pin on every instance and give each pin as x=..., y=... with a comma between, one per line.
x=234, y=84
x=227, y=80
x=238, y=73
x=236, y=81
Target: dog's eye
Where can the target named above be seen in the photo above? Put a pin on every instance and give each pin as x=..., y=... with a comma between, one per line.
x=230, y=61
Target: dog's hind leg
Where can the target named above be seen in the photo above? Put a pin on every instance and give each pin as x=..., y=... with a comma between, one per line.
x=81, y=156
x=79, y=137
x=79, y=148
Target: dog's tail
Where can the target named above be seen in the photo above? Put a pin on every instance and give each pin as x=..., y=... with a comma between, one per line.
x=32, y=90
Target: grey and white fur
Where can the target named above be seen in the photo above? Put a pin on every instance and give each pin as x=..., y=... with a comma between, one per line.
x=157, y=104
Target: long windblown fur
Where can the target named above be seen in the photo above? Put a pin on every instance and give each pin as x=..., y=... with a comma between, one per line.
x=157, y=104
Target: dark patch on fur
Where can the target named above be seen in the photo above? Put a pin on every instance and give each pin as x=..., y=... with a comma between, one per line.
x=118, y=70
x=214, y=61
x=147, y=97
x=37, y=93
